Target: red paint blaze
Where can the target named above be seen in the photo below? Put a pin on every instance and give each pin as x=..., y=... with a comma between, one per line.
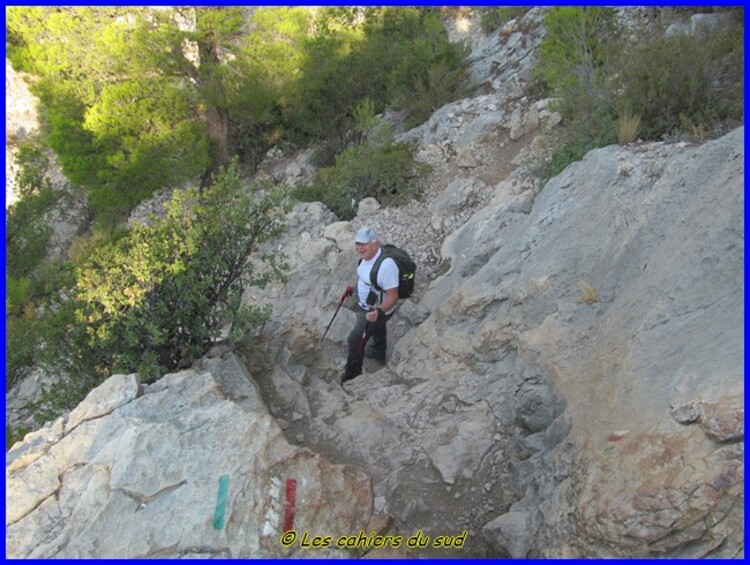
x=291, y=498
x=615, y=437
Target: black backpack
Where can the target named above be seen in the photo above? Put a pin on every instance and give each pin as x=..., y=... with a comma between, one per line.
x=407, y=268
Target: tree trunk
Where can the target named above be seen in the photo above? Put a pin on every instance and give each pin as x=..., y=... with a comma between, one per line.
x=217, y=122
x=216, y=113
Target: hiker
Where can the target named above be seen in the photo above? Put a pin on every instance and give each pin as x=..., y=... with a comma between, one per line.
x=376, y=306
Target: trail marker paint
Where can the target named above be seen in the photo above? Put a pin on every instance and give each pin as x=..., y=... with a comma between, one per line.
x=221, y=502
x=291, y=499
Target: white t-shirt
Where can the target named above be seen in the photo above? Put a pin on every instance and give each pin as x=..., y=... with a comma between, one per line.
x=387, y=279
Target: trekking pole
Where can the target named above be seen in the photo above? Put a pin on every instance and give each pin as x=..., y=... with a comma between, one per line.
x=343, y=297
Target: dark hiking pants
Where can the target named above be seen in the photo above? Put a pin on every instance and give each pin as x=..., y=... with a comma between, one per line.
x=376, y=331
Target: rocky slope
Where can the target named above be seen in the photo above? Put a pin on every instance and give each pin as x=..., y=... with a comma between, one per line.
x=572, y=385
x=567, y=380
x=138, y=472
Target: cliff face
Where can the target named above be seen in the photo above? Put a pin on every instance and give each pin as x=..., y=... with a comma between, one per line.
x=571, y=385
x=566, y=381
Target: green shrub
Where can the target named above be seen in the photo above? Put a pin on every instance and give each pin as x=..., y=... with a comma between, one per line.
x=595, y=126
x=155, y=299
x=428, y=72
x=386, y=172
x=573, y=64
x=681, y=81
x=27, y=230
x=396, y=56
x=21, y=341
x=442, y=84
x=574, y=49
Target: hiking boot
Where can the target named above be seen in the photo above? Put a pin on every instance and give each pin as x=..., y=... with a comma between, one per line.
x=373, y=353
x=347, y=376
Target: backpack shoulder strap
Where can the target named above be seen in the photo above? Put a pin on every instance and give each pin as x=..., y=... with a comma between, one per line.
x=375, y=269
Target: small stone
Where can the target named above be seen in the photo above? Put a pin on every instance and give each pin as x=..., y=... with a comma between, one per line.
x=687, y=414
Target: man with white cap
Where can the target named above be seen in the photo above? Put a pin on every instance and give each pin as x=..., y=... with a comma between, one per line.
x=376, y=303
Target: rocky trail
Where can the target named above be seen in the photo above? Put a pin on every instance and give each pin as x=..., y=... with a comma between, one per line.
x=566, y=381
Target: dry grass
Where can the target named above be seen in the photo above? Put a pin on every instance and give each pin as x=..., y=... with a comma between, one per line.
x=588, y=293
x=628, y=127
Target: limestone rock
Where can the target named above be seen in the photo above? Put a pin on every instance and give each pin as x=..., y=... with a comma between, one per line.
x=116, y=391
x=341, y=233
x=653, y=494
x=145, y=480
x=504, y=63
x=723, y=421
x=524, y=121
x=367, y=206
x=459, y=194
x=459, y=447
x=546, y=425
x=466, y=158
x=510, y=534
x=309, y=217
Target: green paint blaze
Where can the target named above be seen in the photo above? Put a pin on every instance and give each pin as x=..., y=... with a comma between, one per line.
x=221, y=502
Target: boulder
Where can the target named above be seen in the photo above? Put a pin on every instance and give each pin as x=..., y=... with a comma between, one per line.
x=367, y=206
x=176, y=472
x=341, y=233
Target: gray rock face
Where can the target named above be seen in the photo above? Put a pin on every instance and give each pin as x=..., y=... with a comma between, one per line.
x=700, y=24
x=503, y=61
x=543, y=395
x=567, y=380
x=545, y=422
x=116, y=391
x=663, y=247
x=142, y=476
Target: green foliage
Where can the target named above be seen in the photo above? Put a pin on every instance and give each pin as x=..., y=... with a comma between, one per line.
x=27, y=236
x=132, y=101
x=336, y=77
x=440, y=86
x=676, y=81
x=156, y=298
x=573, y=50
x=21, y=332
x=63, y=115
x=122, y=105
x=27, y=230
x=366, y=120
x=428, y=71
x=673, y=83
x=599, y=132
x=262, y=79
x=390, y=55
x=494, y=18
x=382, y=170
x=30, y=276
x=14, y=435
